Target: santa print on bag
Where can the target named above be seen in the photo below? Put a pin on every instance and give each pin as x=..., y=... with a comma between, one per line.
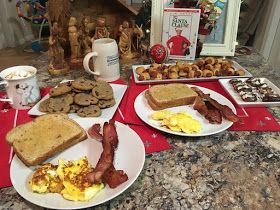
x=180, y=29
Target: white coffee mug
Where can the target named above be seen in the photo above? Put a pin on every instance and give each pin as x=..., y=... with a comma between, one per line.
x=105, y=56
x=21, y=86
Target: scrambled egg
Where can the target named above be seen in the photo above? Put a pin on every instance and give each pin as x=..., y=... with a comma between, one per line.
x=66, y=178
x=180, y=121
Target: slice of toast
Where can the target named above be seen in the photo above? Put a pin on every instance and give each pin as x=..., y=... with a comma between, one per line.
x=36, y=141
x=169, y=95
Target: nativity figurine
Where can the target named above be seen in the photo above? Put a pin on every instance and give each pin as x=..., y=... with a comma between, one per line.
x=100, y=29
x=75, y=44
x=127, y=34
x=85, y=36
x=57, y=63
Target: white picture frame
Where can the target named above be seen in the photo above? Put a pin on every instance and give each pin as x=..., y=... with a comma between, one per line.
x=209, y=49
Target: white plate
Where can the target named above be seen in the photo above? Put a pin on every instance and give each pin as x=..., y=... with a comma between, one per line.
x=236, y=97
x=144, y=111
x=107, y=113
x=235, y=65
x=129, y=156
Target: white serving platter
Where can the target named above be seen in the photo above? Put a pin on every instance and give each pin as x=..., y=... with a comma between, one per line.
x=235, y=65
x=238, y=100
x=108, y=113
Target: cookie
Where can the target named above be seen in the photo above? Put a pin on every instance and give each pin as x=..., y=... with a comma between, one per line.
x=60, y=90
x=58, y=105
x=85, y=99
x=89, y=111
x=102, y=90
x=74, y=108
x=43, y=106
x=68, y=98
x=106, y=103
x=83, y=84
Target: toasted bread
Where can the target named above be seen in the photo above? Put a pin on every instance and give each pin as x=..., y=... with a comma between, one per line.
x=169, y=95
x=44, y=137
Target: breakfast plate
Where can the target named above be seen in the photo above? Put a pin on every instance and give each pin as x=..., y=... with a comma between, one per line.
x=108, y=113
x=129, y=156
x=144, y=111
x=235, y=65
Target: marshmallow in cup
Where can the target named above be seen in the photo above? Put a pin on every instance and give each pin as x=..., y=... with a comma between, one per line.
x=21, y=86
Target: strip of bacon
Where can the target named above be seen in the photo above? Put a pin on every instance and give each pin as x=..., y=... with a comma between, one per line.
x=226, y=111
x=105, y=170
x=210, y=113
x=94, y=132
x=114, y=177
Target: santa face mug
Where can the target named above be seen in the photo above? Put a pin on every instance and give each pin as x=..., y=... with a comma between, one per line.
x=105, y=60
x=21, y=86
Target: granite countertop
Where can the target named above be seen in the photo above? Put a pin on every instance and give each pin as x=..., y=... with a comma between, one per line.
x=229, y=170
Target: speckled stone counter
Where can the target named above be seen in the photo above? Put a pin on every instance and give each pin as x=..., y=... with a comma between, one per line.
x=229, y=170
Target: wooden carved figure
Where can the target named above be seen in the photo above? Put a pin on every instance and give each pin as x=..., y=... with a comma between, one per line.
x=57, y=63
x=85, y=37
x=100, y=29
x=125, y=41
x=74, y=41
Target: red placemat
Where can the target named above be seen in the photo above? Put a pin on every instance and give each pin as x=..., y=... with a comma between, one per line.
x=252, y=118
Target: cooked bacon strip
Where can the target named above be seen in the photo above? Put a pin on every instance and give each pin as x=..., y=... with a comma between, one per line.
x=94, y=132
x=226, y=111
x=105, y=170
x=114, y=177
x=212, y=114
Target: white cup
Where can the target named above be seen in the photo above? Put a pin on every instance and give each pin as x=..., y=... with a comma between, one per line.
x=21, y=86
x=105, y=56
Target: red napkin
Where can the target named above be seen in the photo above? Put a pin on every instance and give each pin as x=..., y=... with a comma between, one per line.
x=252, y=118
x=152, y=139
x=8, y=120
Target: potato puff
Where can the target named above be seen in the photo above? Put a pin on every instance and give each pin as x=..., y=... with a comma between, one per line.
x=198, y=73
x=191, y=74
x=183, y=73
x=195, y=67
x=180, y=65
x=155, y=65
x=209, y=66
x=210, y=60
x=140, y=70
x=144, y=76
x=200, y=62
x=207, y=73
x=218, y=66
x=239, y=72
x=187, y=68
x=153, y=73
x=230, y=72
x=173, y=75
x=216, y=72
x=163, y=68
x=173, y=68
x=158, y=76
x=165, y=75
x=202, y=68
x=225, y=66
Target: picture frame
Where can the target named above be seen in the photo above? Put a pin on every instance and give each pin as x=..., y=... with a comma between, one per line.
x=227, y=48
